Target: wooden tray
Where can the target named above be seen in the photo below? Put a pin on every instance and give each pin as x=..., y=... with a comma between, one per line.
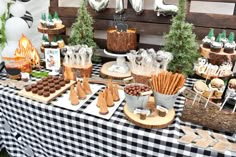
x=43, y=99
x=150, y=122
x=105, y=73
x=50, y=31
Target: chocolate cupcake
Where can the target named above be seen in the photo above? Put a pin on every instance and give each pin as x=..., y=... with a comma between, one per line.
x=28, y=88
x=46, y=94
x=34, y=90
x=40, y=92
x=52, y=90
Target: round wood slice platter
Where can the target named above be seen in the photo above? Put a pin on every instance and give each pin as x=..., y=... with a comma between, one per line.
x=150, y=122
x=105, y=73
x=211, y=77
x=217, y=58
x=56, y=30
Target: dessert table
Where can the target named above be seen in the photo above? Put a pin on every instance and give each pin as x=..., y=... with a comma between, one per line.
x=30, y=128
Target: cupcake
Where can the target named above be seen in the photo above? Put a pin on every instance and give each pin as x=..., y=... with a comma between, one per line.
x=45, y=42
x=230, y=45
x=216, y=46
x=54, y=43
x=60, y=42
x=43, y=20
x=57, y=21
x=50, y=23
x=208, y=39
x=223, y=38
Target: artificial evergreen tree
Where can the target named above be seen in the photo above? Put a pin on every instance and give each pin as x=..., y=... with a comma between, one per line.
x=82, y=30
x=181, y=41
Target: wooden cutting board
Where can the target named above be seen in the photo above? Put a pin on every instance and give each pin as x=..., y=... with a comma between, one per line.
x=43, y=99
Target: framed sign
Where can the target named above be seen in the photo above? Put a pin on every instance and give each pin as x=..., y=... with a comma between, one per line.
x=52, y=59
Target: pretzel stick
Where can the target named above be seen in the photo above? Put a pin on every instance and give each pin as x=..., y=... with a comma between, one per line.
x=161, y=82
x=174, y=77
x=180, y=85
x=156, y=82
x=168, y=79
x=176, y=84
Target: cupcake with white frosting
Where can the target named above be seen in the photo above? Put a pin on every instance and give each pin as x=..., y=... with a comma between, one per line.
x=57, y=21
x=217, y=45
x=229, y=47
x=207, y=40
x=50, y=23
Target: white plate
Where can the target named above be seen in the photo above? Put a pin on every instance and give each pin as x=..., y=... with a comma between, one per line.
x=64, y=102
x=92, y=108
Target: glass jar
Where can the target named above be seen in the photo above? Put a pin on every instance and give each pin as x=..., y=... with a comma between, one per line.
x=14, y=66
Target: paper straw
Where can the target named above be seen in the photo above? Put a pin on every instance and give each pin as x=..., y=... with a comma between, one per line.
x=234, y=108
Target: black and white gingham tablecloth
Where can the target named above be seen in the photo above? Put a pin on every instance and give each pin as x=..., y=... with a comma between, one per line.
x=30, y=128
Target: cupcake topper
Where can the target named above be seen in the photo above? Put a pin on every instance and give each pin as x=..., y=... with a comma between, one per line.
x=54, y=39
x=44, y=38
x=223, y=34
x=43, y=16
x=218, y=37
x=50, y=17
x=56, y=16
x=211, y=33
x=59, y=38
x=231, y=37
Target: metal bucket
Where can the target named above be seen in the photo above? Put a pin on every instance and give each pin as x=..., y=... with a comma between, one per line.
x=134, y=102
x=164, y=100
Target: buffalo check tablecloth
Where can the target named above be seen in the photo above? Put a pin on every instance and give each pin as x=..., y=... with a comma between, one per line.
x=30, y=128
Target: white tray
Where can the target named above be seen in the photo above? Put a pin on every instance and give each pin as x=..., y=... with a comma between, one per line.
x=64, y=102
x=92, y=108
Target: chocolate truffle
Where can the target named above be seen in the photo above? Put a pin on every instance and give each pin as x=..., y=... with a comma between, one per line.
x=33, y=85
x=62, y=83
x=35, y=90
x=46, y=94
x=40, y=86
x=28, y=88
x=57, y=87
x=52, y=90
x=40, y=92
x=46, y=88
x=51, y=85
x=67, y=81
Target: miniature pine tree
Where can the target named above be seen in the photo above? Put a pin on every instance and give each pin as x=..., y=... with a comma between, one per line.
x=223, y=34
x=219, y=37
x=56, y=16
x=82, y=30
x=181, y=41
x=45, y=38
x=43, y=17
x=211, y=33
x=50, y=17
x=231, y=37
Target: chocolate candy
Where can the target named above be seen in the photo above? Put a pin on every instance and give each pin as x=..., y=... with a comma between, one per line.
x=136, y=90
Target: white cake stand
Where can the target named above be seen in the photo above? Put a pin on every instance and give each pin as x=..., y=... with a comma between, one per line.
x=118, y=69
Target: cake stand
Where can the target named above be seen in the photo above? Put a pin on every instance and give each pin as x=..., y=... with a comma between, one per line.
x=118, y=69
